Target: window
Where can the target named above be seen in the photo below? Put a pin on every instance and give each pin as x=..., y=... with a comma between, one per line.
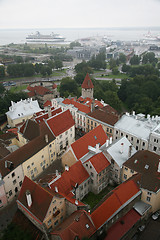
x=110, y=130
x=131, y=138
x=49, y=222
x=88, y=120
x=121, y=134
x=35, y=170
x=116, y=132
x=50, y=145
x=60, y=136
x=149, y=193
x=126, y=168
x=61, y=147
x=125, y=176
x=14, y=182
x=66, y=132
x=56, y=223
x=0, y=202
x=143, y=143
x=61, y=219
x=28, y=167
x=20, y=183
x=54, y=201
x=154, y=148
x=132, y=171
x=95, y=124
x=91, y=122
x=92, y=174
x=10, y=193
x=148, y=199
x=67, y=143
x=42, y=156
x=107, y=129
x=126, y=136
x=86, y=165
x=136, y=147
x=137, y=140
x=13, y=174
x=32, y=163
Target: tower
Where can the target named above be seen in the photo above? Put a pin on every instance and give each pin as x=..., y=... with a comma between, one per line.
x=87, y=87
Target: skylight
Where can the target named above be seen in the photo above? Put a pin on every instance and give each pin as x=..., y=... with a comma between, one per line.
x=135, y=161
x=87, y=226
x=146, y=166
x=95, y=137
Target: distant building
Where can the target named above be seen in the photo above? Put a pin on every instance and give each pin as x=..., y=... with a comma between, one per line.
x=21, y=111
x=87, y=87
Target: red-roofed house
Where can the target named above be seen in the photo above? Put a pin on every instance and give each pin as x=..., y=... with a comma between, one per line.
x=87, y=87
x=115, y=205
x=79, y=148
x=73, y=183
x=98, y=168
x=77, y=226
x=62, y=126
x=43, y=208
x=42, y=92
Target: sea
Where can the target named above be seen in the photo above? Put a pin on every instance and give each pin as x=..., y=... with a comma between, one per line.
x=18, y=36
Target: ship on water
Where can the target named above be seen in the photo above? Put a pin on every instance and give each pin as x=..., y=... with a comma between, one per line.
x=38, y=37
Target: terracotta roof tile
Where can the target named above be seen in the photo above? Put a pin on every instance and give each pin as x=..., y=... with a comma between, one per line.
x=28, y=150
x=47, y=103
x=99, y=162
x=106, y=114
x=81, y=107
x=120, y=228
x=27, y=130
x=114, y=201
x=78, y=224
x=77, y=174
x=38, y=90
x=41, y=199
x=97, y=135
x=61, y=122
x=43, y=116
x=87, y=83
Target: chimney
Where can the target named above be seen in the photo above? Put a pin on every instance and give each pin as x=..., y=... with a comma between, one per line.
x=130, y=151
x=133, y=113
x=107, y=142
x=158, y=170
x=121, y=149
x=110, y=140
x=49, y=112
x=46, y=138
x=57, y=174
x=97, y=148
x=92, y=105
x=56, y=189
x=66, y=168
x=29, y=198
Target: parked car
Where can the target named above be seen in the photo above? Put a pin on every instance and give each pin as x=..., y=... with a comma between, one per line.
x=156, y=215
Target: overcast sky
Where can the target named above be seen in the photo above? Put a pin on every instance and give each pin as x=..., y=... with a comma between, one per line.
x=78, y=13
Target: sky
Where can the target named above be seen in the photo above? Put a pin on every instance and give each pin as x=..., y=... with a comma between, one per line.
x=78, y=13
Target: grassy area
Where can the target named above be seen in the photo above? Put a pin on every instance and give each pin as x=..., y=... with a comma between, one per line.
x=93, y=199
x=18, y=88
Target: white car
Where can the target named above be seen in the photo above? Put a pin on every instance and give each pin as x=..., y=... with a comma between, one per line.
x=156, y=215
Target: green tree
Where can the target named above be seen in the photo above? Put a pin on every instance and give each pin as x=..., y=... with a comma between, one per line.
x=122, y=58
x=135, y=60
x=2, y=72
x=58, y=64
x=68, y=86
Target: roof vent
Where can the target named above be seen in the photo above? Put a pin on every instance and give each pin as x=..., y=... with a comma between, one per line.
x=56, y=189
x=135, y=161
x=87, y=226
x=146, y=166
x=29, y=198
x=66, y=167
x=76, y=202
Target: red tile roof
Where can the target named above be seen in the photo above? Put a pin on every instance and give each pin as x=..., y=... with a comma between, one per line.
x=77, y=174
x=97, y=135
x=87, y=101
x=41, y=117
x=78, y=224
x=99, y=162
x=54, y=86
x=87, y=83
x=61, y=122
x=81, y=107
x=28, y=150
x=106, y=114
x=114, y=200
x=47, y=103
x=41, y=199
x=120, y=228
x=38, y=90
